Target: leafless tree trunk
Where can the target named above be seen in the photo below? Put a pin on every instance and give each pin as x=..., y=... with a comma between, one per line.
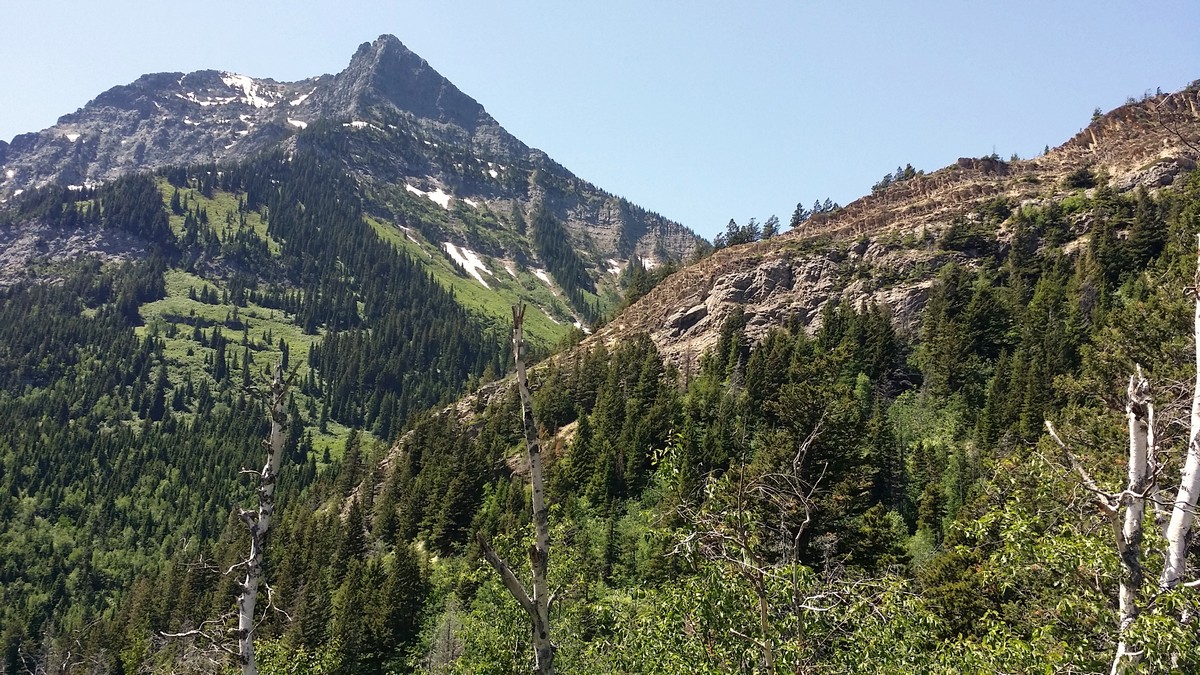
x=1143, y=482
x=1127, y=531
x=1139, y=411
x=258, y=523
x=537, y=606
x=1179, y=529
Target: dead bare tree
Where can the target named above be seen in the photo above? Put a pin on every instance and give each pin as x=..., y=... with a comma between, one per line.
x=734, y=534
x=1179, y=529
x=1126, y=527
x=212, y=634
x=536, y=606
x=1126, y=510
x=259, y=521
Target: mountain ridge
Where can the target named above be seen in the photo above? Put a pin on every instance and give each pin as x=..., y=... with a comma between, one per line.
x=209, y=116
x=1146, y=143
x=432, y=166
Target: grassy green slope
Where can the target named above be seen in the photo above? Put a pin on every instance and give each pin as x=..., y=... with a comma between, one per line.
x=173, y=317
x=544, y=328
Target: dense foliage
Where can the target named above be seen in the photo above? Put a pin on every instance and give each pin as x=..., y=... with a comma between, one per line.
x=122, y=442
x=846, y=500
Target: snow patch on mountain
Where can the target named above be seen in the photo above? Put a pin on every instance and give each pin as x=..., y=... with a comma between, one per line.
x=302, y=98
x=614, y=266
x=205, y=102
x=439, y=197
x=298, y=123
x=249, y=89
x=359, y=124
x=470, y=261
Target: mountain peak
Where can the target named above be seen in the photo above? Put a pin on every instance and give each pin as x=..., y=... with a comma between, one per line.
x=387, y=73
x=383, y=43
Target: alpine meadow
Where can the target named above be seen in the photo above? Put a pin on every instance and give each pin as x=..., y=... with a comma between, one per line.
x=340, y=376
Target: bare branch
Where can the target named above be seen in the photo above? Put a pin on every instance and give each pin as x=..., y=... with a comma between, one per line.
x=514, y=585
x=1105, y=500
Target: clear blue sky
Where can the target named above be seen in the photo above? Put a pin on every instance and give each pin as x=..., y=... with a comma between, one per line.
x=702, y=111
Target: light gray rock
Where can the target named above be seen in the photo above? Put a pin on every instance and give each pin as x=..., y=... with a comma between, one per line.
x=388, y=116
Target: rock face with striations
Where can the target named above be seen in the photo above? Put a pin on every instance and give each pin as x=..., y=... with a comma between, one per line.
x=394, y=120
x=887, y=247
x=386, y=74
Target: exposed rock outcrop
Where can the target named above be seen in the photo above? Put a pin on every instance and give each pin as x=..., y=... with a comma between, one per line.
x=883, y=248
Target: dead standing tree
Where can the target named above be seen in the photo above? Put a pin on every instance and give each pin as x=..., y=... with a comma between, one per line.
x=259, y=521
x=1143, y=474
x=536, y=606
x=1126, y=527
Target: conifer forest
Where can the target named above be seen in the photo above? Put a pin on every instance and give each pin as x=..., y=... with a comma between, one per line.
x=993, y=479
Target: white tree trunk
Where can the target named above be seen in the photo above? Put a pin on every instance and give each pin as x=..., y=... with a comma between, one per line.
x=1179, y=529
x=539, y=553
x=1127, y=532
x=259, y=522
x=537, y=606
x=1139, y=410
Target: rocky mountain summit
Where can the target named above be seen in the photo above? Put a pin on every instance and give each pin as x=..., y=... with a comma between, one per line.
x=189, y=118
x=402, y=129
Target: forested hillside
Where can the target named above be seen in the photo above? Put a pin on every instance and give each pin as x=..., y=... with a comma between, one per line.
x=821, y=452
x=854, y=499
x=129, y=391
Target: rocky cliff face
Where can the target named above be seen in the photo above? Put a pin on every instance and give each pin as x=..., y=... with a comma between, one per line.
x=884, y=248
x=386, y=76
x=389, y=116
x=775, y=282
x=158, y=120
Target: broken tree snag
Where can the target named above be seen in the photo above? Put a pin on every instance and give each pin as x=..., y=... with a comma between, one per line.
x=258, y=522
x=1127, y=531
x=1179, y=529
x=536, y=606
x=539, y=553
x=1139, y=412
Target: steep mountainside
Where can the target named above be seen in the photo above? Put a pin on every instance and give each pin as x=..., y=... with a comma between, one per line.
x=887, y=247
x=848, y=470
x=434, y=169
